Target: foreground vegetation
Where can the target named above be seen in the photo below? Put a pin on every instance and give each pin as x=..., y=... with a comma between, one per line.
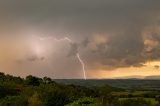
x=34, y=91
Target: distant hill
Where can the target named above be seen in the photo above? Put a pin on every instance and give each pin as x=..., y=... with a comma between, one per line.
x=154, y=77
x=129, y=84
x=131, y=77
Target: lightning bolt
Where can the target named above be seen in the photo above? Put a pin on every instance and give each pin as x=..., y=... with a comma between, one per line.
x=77, y=54
x=83, y=65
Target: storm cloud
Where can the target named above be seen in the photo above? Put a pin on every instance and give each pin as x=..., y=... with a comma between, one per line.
x=108, y=34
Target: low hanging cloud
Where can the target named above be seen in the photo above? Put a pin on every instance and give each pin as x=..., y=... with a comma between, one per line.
x=35, y=58
x=31, y=58
x=73, y=49
x=156, y=67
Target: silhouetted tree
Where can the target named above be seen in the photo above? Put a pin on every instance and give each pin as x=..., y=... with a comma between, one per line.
x=31, y=80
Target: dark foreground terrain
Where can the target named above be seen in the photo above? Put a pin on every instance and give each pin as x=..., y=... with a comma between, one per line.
x=34, y=91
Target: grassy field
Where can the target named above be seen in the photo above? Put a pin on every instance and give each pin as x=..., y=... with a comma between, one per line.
x=151, y=100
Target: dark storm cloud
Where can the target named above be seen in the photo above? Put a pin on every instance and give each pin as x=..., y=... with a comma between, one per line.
x=108, y=33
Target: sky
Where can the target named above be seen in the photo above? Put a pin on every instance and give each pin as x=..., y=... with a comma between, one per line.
x=112, y=38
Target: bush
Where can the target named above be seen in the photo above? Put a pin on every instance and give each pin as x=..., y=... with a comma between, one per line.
x=86, y=101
